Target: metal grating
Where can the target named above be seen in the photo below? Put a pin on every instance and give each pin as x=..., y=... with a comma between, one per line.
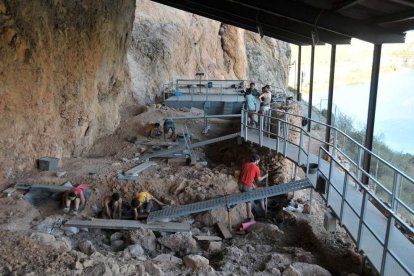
x=184, y=210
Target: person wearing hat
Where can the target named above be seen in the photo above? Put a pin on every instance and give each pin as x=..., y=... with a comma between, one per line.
x=76, y=195
x=143, y=202
x=112, y=206
x=250, y=172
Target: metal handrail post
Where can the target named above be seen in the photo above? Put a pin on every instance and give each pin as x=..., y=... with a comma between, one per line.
x=307, y=159
x=361, y=217
x=245, y=124
x=285, y=136
x=359, y=161
x=261, y=118
x=395, y=189
x=285, y=118
x=300, y=144
x=390, y=222
x=343, y=196
x=277, y=136
x=242, y=124
x=335, y=141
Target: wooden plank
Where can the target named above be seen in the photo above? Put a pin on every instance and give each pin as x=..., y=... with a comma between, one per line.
x=140, y=168
x=117, y=224
x=207, y=238
x=224, y=230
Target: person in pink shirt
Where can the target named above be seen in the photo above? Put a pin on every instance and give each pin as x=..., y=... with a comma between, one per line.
x=76, y=195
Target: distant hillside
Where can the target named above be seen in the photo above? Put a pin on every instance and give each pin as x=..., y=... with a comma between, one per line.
x=353, y=62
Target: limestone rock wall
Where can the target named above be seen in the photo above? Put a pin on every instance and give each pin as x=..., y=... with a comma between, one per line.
x=62, y=76
x=168, y=43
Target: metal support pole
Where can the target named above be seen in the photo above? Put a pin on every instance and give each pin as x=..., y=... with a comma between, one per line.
x=330, y=97
x=369, y=134
x=390, y=222
x=278, y=136
x=298, y=93
x=361, y=218
x=395, y=188
x=312, y=65
x=261, y=118
x=359, y=161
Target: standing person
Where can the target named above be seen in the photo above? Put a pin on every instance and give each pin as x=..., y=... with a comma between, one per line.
x=249, y=173
x=143, y=202
x=265, y=99
x=112, y=206
x=250, y=107
x=252, y=90
x=76, y=196
x=169, y=124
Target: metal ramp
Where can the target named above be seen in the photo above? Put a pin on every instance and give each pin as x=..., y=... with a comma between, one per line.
x=230, y=200
x=375, y=231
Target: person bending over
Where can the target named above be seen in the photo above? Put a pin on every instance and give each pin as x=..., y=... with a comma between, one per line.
x=112, y=206
x=143, y=203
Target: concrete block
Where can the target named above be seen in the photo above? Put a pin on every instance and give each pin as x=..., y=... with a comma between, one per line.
x=329, y=222
x=48, y=163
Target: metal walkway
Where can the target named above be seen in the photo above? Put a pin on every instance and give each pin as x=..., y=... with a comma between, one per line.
x=376, y=234
x=230, y=200
x=184, y=147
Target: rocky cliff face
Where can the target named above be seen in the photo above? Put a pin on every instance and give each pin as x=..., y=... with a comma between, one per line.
x=62, y=76
x=66, y=68
x=168, y=43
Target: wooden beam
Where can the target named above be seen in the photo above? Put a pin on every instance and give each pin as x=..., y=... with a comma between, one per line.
x=117, y=224
x=224, y=230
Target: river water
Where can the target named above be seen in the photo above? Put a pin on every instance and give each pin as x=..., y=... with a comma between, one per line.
x=394, y=120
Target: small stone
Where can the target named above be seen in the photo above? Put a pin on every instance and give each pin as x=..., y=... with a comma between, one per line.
x=179, y=242
x=214, y=246
x=306, y=209
x=76, y=266
x=117, y=245
x=60, y=174
x=168, y=258
x=116, y=236
x=86, y=247
x=195, y=261
x=88, y=263
x=136, y=250
x=153, y=269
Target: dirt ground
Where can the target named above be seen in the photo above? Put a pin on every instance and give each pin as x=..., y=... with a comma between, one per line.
x=30, y=242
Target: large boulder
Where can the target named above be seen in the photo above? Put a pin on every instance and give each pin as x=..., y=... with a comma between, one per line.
x=180, y=242
x=143, y=237
x=195, y=261
x=267, y=230
x=210, y=218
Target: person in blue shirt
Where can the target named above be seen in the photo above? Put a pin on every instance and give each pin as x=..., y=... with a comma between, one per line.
x=250, y=106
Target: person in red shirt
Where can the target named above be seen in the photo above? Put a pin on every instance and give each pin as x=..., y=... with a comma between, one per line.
x=249, y=173
x=75, y=195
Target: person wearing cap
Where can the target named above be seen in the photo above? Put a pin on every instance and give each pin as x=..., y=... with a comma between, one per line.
x=250, y=172
x=112, y=206
x=76, y=196
x=143, y=202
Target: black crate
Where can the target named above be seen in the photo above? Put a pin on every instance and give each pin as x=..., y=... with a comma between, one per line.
x=48, y=163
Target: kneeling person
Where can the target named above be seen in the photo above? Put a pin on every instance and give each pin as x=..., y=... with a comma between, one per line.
x=112, y=206
x=169, y=124
x=143, y=203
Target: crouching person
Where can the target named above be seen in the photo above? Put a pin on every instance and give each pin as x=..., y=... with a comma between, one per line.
x=143, y=203
x=75, y=197
x=112, y=206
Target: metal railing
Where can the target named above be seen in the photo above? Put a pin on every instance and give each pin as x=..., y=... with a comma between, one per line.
x=210, y=88
x=278, y=125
